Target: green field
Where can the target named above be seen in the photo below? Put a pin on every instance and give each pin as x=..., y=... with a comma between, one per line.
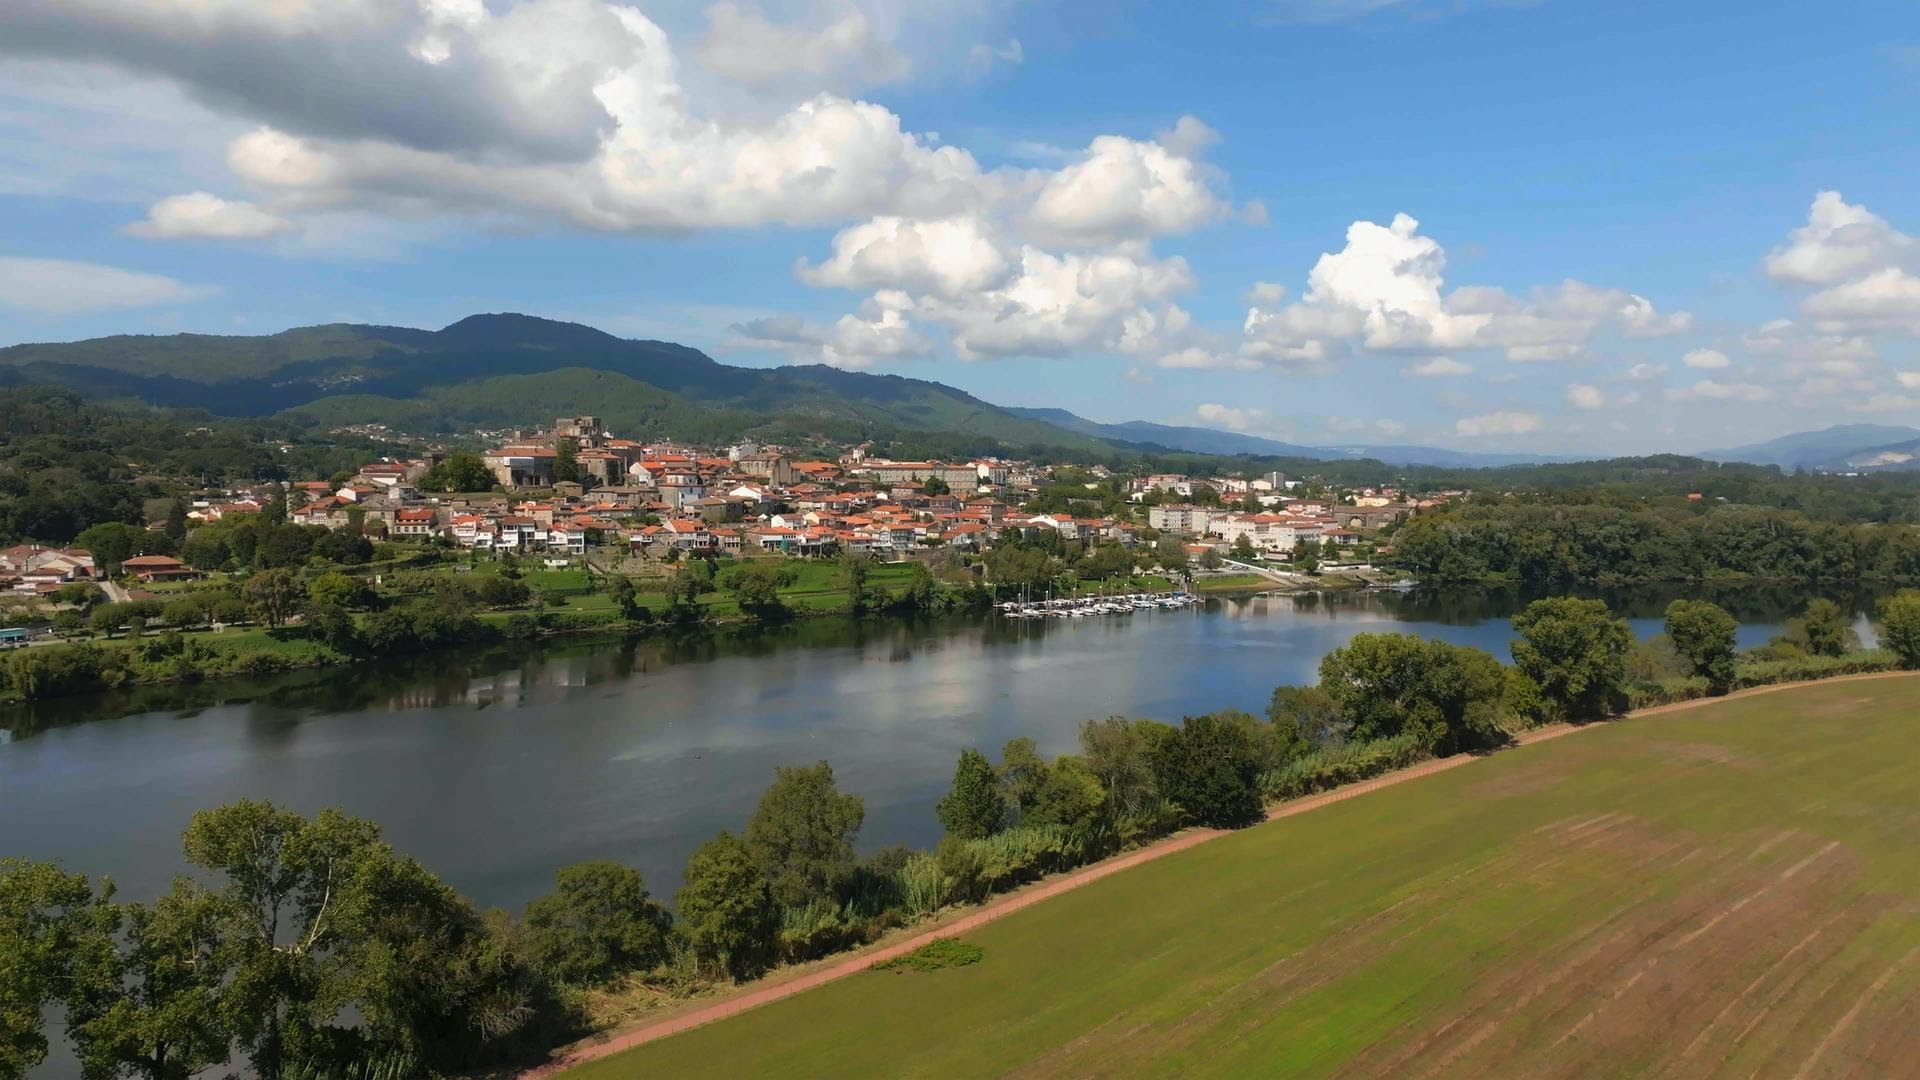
x=1727, y=890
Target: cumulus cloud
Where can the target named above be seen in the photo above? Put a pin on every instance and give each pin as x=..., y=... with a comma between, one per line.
x=1127, y=188
x=65, y=287
x=879, y=333
x=579, y=110
x=1385, y=292
x=1840, y=241
x=200, y=214
x=1583, y=396
x=1645, y=372
x=1706, y=359
x=949, y=257
x=1502, y=422
x=1908, y=379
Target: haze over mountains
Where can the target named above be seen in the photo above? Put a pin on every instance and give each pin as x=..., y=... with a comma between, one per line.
x=504, y=370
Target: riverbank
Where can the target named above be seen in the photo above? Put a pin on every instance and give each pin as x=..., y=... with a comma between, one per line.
x=793, y=981
x=576, y=605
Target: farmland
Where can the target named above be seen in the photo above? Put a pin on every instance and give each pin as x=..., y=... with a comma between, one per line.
x=1723, y=890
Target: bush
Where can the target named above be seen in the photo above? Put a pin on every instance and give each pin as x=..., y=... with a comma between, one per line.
x=1324, y=770
x=934, y=955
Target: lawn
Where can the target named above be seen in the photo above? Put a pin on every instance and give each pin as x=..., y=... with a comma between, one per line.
x=1729, y=890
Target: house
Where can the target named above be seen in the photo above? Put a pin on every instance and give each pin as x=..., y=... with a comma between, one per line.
x=415, y=523
x=569, y=537
x=158, y=568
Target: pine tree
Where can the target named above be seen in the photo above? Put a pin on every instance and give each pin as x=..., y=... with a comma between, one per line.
x=975, y=807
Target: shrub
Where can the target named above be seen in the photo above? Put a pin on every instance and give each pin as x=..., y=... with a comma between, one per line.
x=1326, y=769
x=934, y=955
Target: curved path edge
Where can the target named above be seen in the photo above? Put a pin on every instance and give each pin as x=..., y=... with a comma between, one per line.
x=1045, y=889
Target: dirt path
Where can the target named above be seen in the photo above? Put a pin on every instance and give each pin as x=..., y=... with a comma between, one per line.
x=770, y=991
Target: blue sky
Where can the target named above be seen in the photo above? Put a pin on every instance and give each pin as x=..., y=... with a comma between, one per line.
x=1555, y=225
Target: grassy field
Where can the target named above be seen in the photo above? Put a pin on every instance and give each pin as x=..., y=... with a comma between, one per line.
x=1728, y=890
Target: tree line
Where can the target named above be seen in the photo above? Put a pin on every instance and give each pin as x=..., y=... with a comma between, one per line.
x=1551, y=544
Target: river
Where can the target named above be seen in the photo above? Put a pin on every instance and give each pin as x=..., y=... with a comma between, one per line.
x=498, y=766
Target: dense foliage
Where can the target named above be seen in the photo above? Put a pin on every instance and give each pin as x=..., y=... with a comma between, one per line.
x=1546, y=543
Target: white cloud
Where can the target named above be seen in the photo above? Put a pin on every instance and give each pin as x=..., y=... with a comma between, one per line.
x=880, y=333
x=1840, y=241
x=1645, y=372
x=1230, y=418
x=1194, y=357
x=1583, y=396
x=949, y=257
x=1502, y=422
x=1266, y=293
x=1908, y=379
x=200, y=214
x=1706, y=359
x=843, y=53
x=1126, y=188
x=1439, y=366
x=1384, y=292
x=1886, y=299
x=1714, y=390
x=64, y=287
x=1054, y=304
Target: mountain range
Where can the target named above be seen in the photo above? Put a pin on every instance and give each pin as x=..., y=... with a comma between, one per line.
x=508, y=370
x=1841, y=448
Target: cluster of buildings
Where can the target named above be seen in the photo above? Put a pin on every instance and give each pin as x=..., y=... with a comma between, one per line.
x=661, y=499
x=36, y=570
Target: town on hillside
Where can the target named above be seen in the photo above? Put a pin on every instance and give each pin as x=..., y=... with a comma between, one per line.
x=575, y=491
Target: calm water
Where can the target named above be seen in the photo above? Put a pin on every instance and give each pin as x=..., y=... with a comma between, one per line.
x=498, y=767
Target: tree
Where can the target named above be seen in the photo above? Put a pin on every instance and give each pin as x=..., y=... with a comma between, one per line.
x=1306, y=556
x=1575, y=652
x=1826, y=629
x=1171, y=553
x=1387, y=685
x=935, y=486
x=41, y=908
x=975, y=807
x=287, y=884
x=725, y=907
x=1703, y=633
x=273, y=595
x=566, y=464
x=1022, y=770
x=854, y=567
x=623, y=594
x=176, y=523
x=1211, y=559
x=1070, y=796
x=115, y=542
x=206, y=550
x=332, y=624
x=801, y=834
x=459, y=472
x=596, y=923
x=149, y=987
x=756, y=585
x=1307, y=716
x=339, y=590
x=1243, y=548
x=1900, y=625
x=1119, y=753
x=1208, y=769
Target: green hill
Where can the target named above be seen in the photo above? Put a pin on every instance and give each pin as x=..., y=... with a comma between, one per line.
x=503, y=370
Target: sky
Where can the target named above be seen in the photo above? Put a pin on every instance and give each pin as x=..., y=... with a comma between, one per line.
x=1560, y=226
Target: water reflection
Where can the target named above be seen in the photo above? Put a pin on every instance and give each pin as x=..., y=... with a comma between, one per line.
x=497, y=765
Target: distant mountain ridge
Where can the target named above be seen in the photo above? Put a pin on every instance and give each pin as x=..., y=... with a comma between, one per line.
x=1201, y=440
x=1838, y=448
